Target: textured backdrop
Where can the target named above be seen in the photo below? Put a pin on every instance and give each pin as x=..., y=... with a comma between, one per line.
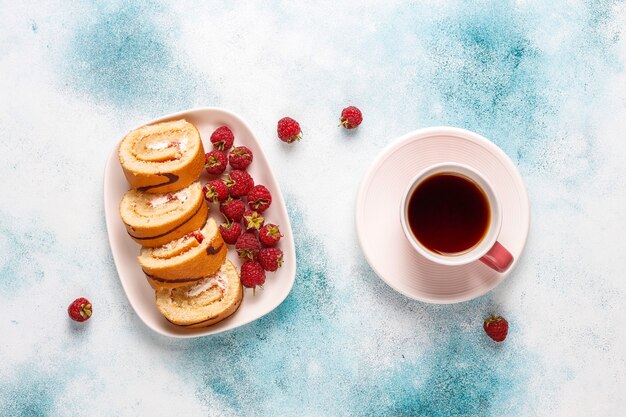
x=545, y=80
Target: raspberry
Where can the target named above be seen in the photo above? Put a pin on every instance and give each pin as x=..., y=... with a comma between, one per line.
x=252, y=220
x=496, y=328
x=222, y=138
x=270, y=258
x=239, y=183
x=240, y=157
x=233, y=209
x=80, y=309
x=351, y=117
x=289, y=130
x=259, y=198
x=215, y=191
x=230, y=232
x=248, y=245
x=269, y=235
x=215, y=162
x=252, y=275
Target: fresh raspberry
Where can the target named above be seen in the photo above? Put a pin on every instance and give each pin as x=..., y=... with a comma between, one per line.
x=269, y=235
x=230, y=232
x=270, y=258
x=222, y=138
x=248, y=245
x=233, y=209
x=259, y=198
x=252, y=275
x=240, y=157
x=80, y=309
x=496, y=328
x=351, y=117
x=215, y=162
x=215, y=191
x=289, y=130
x=252, y=220
x=239, y=183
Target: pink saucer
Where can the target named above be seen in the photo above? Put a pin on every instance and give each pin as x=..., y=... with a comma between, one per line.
x=382, y=240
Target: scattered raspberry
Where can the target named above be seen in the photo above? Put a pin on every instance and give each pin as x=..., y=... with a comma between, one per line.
x=259, y=198
x=248, y=245
x=197, y=235
x=215, y=191
x=239, y=183
x=240, y=157
x=289, y=130
x=252, y=220
x=222, y=138
x=496, y=328
x=270, y=258
x=215, y=162
x=351, y=117
x=230, y=232
x=233, y=209
x=252, y=275
x=269, y=235
x=80, y=309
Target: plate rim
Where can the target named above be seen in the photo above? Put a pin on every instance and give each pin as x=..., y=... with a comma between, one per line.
x=277, y=196
x=419, y=134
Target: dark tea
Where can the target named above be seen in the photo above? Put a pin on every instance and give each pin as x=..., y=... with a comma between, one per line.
x=448, y=213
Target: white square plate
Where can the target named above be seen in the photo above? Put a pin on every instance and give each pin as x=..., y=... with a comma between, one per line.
x=125, y=250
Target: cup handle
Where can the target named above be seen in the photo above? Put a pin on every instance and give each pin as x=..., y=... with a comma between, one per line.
x=498, y=258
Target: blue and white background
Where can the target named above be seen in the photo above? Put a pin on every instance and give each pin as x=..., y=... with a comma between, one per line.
x=545, y=80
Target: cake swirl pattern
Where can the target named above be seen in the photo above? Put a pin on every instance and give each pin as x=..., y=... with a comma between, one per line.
x=163, y=157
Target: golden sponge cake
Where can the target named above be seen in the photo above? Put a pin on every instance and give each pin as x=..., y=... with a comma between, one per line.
x=163, y=157
x=193, y=256
x=205, y=302
x=154, y=219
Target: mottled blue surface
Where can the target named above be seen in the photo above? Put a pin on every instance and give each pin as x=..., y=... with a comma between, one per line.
x=545, y=80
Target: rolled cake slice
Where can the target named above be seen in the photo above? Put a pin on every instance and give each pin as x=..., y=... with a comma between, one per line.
x=154, y=219
x=205, y=302
x=163, y=157
x=196, y=255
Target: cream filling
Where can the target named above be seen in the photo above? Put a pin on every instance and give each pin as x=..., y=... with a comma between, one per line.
x=162, y=251
x=206, y=284
x=181, y=196
x=171, y=245
x=182, y=145
x=159, y=146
